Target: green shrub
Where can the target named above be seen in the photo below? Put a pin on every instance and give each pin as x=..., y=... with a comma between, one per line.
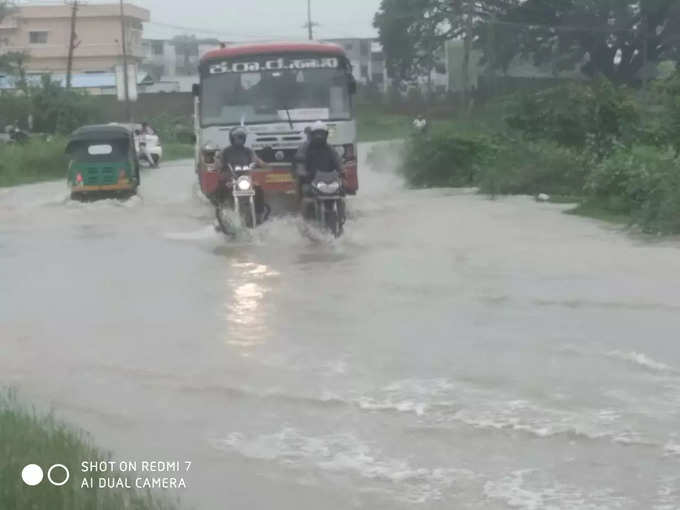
x=57, y=110
x=531, y=168
x=173, y=128
x=590, y=115
x=445, y=158
x=641, y=182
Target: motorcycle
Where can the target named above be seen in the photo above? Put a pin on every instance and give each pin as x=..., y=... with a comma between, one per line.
x=239, y=200
x=328, y=199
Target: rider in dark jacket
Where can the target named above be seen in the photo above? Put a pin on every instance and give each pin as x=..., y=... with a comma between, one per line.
x=319, y=155
x=237, y=154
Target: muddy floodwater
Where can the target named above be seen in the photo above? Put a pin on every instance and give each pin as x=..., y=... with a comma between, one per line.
x=449, y=352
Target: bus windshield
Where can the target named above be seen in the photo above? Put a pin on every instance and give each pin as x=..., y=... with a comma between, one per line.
x=274, y=96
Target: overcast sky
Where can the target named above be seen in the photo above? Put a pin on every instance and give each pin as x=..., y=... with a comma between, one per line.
x=260, y=19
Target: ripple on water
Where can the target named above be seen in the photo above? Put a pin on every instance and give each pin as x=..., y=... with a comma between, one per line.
x=346, y=454
x=533, y=490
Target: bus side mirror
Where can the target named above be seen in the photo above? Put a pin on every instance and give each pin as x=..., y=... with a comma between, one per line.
x=196, y=89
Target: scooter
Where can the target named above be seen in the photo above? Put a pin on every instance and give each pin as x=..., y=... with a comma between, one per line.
x=327, y=197
x=149, y=149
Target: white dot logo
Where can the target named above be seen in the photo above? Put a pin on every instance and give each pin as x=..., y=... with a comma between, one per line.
x=32, y=475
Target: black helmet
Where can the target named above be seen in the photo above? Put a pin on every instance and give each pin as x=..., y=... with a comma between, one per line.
x=238, y=136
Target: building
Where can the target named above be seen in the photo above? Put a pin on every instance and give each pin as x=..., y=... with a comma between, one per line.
x=167, y=58
x=96, y=84
x=359, y=53
x=378, y=67
x=43, y=33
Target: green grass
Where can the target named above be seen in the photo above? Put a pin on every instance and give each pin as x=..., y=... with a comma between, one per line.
x=374, y=125
x=175, y=150
x=27, y=437
x=35, y=161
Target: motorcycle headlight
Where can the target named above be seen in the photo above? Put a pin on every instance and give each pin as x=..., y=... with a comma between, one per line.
x=244, y=183
x=328, y=188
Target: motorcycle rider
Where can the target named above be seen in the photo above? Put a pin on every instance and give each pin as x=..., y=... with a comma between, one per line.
x=145, y=151
x=319, y=156
x=420, y=124
x=237, y=154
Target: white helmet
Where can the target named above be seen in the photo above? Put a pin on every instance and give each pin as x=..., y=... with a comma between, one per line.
x=319, y=125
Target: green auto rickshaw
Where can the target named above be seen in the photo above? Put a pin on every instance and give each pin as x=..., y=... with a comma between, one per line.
x=102, y=161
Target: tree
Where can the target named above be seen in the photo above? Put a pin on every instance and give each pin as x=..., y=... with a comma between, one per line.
x=413, y=32
x=13, y=63
x=614, y=38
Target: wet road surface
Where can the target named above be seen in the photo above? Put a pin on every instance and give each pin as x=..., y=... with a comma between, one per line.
x=449, y=352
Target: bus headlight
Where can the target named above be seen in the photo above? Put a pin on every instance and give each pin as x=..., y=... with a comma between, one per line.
x=244, y=183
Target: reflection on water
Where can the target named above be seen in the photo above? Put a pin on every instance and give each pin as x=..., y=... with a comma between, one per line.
x=246, y=329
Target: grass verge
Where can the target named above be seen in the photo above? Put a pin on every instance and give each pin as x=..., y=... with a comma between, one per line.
x=35, y=161
x=27, y=437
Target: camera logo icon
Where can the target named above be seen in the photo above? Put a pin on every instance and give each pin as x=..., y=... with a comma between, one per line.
x=57, y=475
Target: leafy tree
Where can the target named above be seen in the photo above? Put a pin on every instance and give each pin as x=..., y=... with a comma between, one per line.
x=13, y=63
x=57, y=110
x=613, y=38
x=414, y=32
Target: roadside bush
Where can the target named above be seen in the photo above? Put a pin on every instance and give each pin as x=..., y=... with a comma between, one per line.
x=14, y=110
x=173, y=128
x=531, y=168
x=592, y=115
x=57, y=110
x=662, y=124
x=445, y=158
x=641, y=182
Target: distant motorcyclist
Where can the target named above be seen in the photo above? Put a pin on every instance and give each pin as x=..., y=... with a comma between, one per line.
x=238, y=154
x=420, y=124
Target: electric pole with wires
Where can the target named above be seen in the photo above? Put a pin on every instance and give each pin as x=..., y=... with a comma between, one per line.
x=126, y=86
x=71, y=44
x=310, y=24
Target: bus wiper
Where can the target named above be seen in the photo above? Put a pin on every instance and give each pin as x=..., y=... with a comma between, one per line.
x=290, y=121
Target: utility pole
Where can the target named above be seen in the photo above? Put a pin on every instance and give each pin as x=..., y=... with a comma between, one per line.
x=125, y=63
x=71, y=45
x=645, y=53
x=310, y=24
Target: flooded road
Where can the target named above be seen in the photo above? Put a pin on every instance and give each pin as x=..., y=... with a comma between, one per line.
x=449, y=352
